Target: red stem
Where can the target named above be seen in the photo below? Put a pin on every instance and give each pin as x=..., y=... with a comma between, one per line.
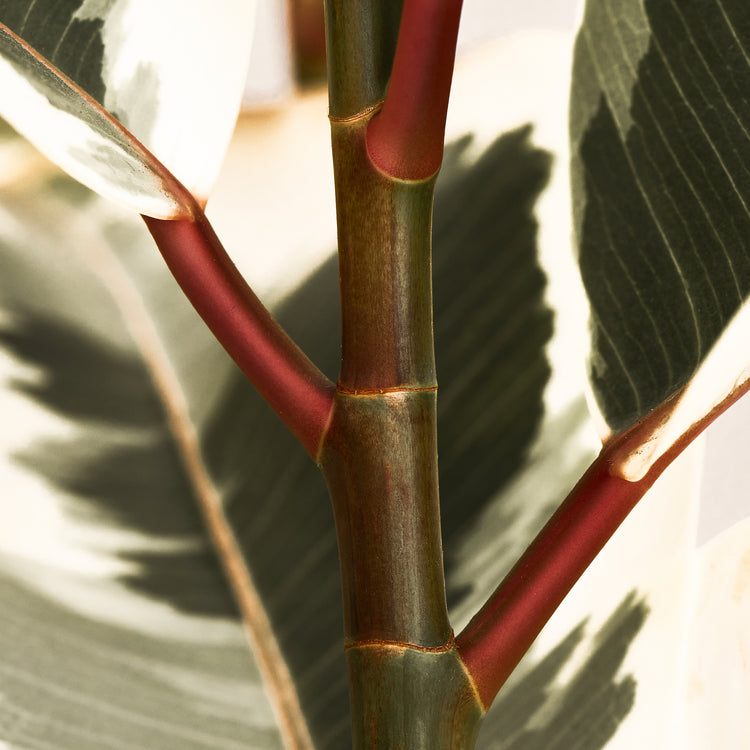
x=405, y=139
x=502, y=631
x=498, y=636
x=297, y=390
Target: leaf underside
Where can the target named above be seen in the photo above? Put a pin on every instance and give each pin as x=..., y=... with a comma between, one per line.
x=660, y=124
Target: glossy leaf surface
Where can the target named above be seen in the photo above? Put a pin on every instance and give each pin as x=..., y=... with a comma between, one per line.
x=659, y=127
x=102, y=87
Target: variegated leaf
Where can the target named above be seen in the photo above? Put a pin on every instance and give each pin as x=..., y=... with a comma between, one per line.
x=660, y=130
x=100, y=491
x=118, y=628
x=124, y=94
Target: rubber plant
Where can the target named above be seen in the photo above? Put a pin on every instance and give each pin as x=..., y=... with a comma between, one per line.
x=658, y=198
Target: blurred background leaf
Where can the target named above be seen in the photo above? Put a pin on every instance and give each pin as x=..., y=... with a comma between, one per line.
x=121, y=469
x=171, y=74
x=99, y=514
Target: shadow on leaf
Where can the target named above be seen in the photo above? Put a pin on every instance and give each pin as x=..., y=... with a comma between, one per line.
x=540, y=712
x=491, y=323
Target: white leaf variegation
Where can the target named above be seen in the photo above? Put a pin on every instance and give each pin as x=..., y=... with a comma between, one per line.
x=169, y=78
x=175, y=74
x=81, y=137
x=92, y=657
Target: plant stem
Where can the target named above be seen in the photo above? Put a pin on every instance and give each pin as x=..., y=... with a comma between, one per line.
x=406, y=138
x=380, y=452
x=410, y=699
x=409, y=688
x=379, y=457
x=502, y=631
x=360, y=43
x=297, y=390
x=385, y=271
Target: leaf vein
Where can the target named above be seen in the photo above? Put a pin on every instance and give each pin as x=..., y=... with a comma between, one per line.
x=647, y=200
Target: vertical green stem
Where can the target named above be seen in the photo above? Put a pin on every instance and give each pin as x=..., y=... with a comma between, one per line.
x=380, y=453
x=385, y=270
x=360, y=44
x=409, y=687
x=380, y=467
x=379, y=457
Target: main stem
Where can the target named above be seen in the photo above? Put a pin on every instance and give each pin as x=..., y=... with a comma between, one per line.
x=298, y=392
x=409, y=688
x=380, y=460
x=381, y=448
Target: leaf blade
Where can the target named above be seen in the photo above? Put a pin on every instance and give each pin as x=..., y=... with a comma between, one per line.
x=657, y=124
x=108, y=685
x=156, y=539
x=171, y=75
x=74, y=131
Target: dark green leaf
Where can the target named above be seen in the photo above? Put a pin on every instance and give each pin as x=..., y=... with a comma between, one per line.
x=72, y=44
x=659, y=123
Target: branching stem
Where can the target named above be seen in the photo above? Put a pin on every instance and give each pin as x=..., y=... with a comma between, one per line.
x=405, y=139
x=502, y=631
x=294, y=387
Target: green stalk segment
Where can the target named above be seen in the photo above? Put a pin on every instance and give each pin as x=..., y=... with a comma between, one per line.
x=379, y=460
x=384, y=233
x=409, y=687
x=404, y=698
x=360, y=44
